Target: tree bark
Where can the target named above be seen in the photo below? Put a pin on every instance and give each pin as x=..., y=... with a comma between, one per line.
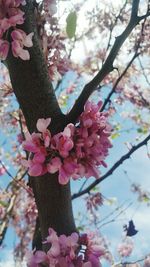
x=36, y=97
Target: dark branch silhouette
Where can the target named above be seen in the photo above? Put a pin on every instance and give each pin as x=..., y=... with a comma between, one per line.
x=113, y=168
x=107, y=67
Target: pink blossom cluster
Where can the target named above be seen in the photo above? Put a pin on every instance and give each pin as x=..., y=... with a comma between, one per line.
x=24, y=218
x=94, y=200
x=52, y=40
x=126, y=247
x=70, y=251
x=76, y=152
x=11, y=16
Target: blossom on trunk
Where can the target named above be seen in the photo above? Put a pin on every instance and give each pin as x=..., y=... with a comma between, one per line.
x=76, y=152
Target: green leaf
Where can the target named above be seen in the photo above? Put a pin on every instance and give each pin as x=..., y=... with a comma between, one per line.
x=80, y=228
x=142, y=130
x=115, y=135
x=2, y=203
x=71, y=24
x=146, y=199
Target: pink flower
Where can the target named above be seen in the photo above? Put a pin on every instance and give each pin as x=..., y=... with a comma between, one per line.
x=10, y=16
x=32, y=142
x=63, y=143
x=77, y=151
x=54, y=165
x=95, y=248
x=52, y=236
x=17, y=18
x=20, y=39
x=36, y=165
x=2, y=170
x=63, y=177
x=35, y=169
x=4, y=26
x=42, y=124
x=4, y=48
x=126, y=248
x=18, y=51
x=87, y=264
x=67, y=251
x=33, y=260
x=69, y=244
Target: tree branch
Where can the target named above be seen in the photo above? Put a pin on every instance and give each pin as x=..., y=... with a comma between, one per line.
x=5, y=222
x=114, y=24
x=107, y=67
x=112, y=169
x=136, y=55
x=117, y=82
x=143, y=70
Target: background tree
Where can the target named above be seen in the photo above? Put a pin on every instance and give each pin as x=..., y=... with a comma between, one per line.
x=116, y=70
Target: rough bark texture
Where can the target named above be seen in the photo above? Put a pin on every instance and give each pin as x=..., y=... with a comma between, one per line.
x=36, y=98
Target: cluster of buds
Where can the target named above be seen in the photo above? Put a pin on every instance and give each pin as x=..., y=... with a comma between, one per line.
x=126, y=247
x=10, y=16
x=76, y=152
x=71, y=251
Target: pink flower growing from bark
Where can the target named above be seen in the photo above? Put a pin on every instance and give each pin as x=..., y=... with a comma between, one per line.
x=35, y=168
x=68, y=169
x=4, y=48
x=76, y=152
x=20, y=39
x=16, y=18
x=63, y=142
x=4, y=26
x=87, y=264
x=33, y=260
x=10, y=16
x=32, y=142
x=69, y=244
x=65, y=251
x=42, y=125
x=54, y=165
x=63, y=177
x=52, y=236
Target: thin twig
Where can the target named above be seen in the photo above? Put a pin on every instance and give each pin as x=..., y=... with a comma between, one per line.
x=107, y=100
x=107, y=67
x=143, y=70
x=114, y=24
x=114, y=219
x=5, y=222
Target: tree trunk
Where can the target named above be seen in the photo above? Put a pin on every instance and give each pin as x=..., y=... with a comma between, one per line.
x=35, y=94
